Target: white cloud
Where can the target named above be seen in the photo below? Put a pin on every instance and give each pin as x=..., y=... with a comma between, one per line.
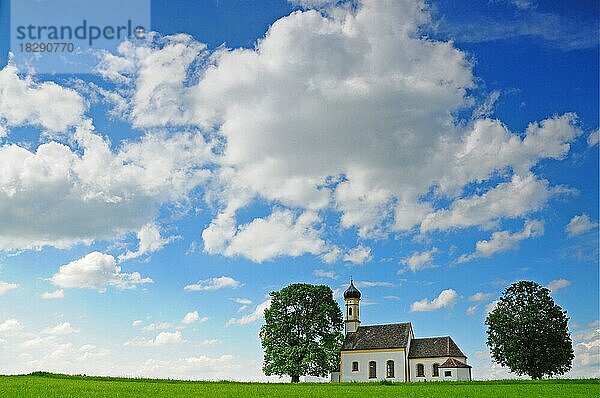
x=325, y=274
x=358, y=255
x=10, y=326
x=88, y=192
x=137, y=322
x=149, y=241
x=5, y=287
x=318, y=116
x=420, y=260
x=158, y=326
x=257, y=314
x=593, y=138
x=491, y=306
x=503, y=240
x=96, y=271
x=480, y=296
x=214, y=284
x=193, y=317
x=281, y=233
x=579, y=225
x=193, y=367
x=471, y=310
x=374, y=284
x=60, y=330
x=558, y=284
x=162, y=339
x=210, y=342
x=243, y=301
x=512, y=199
x=327, y=131
x=26, y=102
x=447, y=298
x=57, y=294
x=586, y=347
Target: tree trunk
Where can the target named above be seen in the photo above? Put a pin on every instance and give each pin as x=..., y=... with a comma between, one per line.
x=295, y=378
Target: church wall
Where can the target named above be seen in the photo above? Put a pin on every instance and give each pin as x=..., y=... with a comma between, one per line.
x=380, y=357
x=428, y=363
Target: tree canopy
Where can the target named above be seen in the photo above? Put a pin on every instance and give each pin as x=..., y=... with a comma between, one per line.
x=302, y=332
x=528, y=332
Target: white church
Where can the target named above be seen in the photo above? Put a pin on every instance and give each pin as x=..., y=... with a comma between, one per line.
x=391, y=352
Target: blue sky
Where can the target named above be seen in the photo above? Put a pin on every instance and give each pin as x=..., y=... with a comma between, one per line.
x=435, y=152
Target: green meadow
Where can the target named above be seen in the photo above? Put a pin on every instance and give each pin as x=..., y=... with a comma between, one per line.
x=51, y=385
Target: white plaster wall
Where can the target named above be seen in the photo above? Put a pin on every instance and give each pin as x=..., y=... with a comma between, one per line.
x=458, y=374
x=380, y=358
x=428, y=362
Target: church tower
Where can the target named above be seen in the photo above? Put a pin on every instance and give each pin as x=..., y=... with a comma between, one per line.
x=352, y=298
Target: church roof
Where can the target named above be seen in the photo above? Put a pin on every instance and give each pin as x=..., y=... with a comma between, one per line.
x=453, y=363
x=378, y=337
x=351, y=292
x=434, y=347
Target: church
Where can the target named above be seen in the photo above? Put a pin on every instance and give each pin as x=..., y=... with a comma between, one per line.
x=391, y=352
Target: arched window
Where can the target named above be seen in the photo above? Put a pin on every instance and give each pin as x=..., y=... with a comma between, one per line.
x=390, y=369
x=349, y=311
x=420, y=370
x=436, y=370
x=372, y=370
x=355, y=366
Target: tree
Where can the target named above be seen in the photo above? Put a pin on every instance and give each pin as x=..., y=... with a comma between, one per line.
x=528, y=332
x=302, y=332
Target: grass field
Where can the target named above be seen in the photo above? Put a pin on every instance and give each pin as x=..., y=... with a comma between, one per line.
x=50, y=385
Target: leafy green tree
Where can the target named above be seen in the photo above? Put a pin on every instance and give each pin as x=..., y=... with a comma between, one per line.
x=302, y=332
x=528, y=332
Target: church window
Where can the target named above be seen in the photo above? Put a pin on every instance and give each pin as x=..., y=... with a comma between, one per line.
x=372, y=370
x=448, y=373
x=436, y=370
x=390, y=369
x=355, y=366
x=350, y=311
x=420, y=370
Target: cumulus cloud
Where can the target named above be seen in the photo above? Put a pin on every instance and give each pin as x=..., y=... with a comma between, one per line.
x=447, y=298
x=214, y=284
x=579, y=225
x=318, y=117
x=480, y=296
x=48, y=105
x=503, y=240
x=57, y=294
x=358, y=255
x=281, y=233
x=161, y=339
x=471, y=310
x=325, y=274
x=5, y=287
x=586, y=347
x=420, y=260
x=491, y=306
x=60, y=330
x=210, y=342
x=557, y=284
x=515, y=198
x=258, y=313
x=96, y=271
x=149, y=241
x=328, y=132
x=193, y=317
x=593, y=138
x=10, y=326
x=89, y=192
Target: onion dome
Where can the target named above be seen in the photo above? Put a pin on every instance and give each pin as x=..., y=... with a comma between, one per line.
x=351, y=292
